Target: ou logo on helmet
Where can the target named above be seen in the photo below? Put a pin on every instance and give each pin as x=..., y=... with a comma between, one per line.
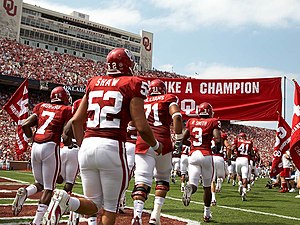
x=10, y=7
x=147, y=44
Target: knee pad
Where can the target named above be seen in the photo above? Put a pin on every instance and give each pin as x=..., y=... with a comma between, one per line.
x=141, y=191
x=162, y=185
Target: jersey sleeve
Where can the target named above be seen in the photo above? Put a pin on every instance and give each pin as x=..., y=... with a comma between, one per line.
x=36, y=109
x=139, y=87
x=68, y=113
x=172, y=99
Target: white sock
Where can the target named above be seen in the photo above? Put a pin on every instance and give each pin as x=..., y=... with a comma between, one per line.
x=213, y=196
x=74, y=204
x=31, y=190
x=40, y=212
x=206, y=211
x=244, y=190
x=92, y=220
x=138, y=208
x=158, y=203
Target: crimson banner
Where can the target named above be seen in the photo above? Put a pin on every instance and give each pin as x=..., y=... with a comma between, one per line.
x=295, y=138
x=282, y=144
x=17, y=108
x=232, y=99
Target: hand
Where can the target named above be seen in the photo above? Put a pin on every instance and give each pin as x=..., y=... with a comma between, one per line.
x=177, y=147
x=159, y=150
x=229, y=162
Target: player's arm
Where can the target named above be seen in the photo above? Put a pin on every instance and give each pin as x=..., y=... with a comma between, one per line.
x=31, y=121
x=217, y=138
x=185, y=139
x=177, y=126
x=78, y=120
x=228, y=149
x=67, y=134
x=141, y=124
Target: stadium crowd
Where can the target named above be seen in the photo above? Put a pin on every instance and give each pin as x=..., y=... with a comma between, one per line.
x=22, y=61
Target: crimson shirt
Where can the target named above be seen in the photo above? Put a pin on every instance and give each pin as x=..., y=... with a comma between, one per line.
x=51, y=121
x=108, y=111
x=243, y=148
x=201, y=133
x=158, y=116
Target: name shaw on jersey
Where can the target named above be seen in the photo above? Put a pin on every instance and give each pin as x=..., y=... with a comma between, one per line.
x=103, y=82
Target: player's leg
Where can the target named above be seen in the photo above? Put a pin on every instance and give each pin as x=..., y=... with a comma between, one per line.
x=194, y=177
x=145, y=164
x=50, y=170
x=162, y=170
x=207, y=168
x=245, y=172
x=114, y=175
x=23, y=193
x=183, y=170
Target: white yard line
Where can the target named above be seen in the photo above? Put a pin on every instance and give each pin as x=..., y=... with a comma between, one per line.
x=22, y=182
x=239, y=209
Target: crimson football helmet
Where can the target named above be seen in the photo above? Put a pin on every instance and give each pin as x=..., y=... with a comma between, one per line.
x=242, y=135
x=59, y=94
x=224, y=136
x=205, y=109
x=120, y=61
x=157, y=87
x=76, y=105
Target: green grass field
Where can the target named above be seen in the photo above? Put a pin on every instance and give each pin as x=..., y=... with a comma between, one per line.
x=264, y=206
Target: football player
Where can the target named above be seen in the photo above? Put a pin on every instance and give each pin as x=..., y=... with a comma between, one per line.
x=161, y=110
x=69, y=162
x=219, y=166
x=201, y=131
x=184, y=163
x=108, y=105
x=244, y=152
x=49, y=120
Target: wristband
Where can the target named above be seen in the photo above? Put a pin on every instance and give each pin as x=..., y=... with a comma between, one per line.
x=156, y=146
x=178, y=137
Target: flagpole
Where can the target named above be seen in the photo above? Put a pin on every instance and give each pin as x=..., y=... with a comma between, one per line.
x=284, y=95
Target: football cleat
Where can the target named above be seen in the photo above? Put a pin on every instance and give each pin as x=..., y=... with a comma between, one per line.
x=207, y=219
x=186, y=197
x=73, y=218
x=244, y=197
x=59, y=206
x=136, y=221
x=240, y=189
x=19, y=201
x=154, y=221
x=214, y=203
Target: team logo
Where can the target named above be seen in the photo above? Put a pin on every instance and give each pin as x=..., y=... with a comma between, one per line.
x=10, y=7
x=297, y=110
x=147, y=44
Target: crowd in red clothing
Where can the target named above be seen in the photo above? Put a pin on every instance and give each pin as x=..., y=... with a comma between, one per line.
x=22, y=61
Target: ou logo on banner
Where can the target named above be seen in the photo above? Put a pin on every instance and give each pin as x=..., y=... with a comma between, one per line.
x=10, y=7
x=147, y=44
x=277, y=153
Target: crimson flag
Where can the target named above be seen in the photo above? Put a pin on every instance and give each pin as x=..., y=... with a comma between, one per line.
x=17, y=108
x=295, y=138
x=282, y=144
